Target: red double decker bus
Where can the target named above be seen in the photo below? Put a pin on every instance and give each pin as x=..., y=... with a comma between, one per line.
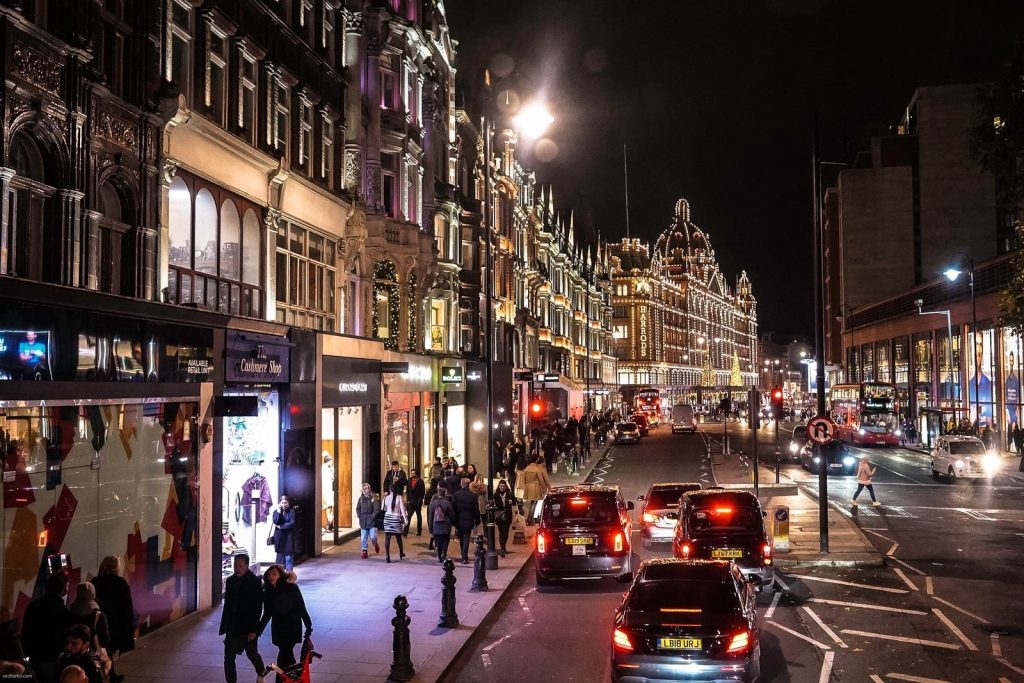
x=866, y=413
x=648, y=403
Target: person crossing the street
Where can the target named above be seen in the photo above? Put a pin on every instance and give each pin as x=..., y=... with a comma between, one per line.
x=865, y=472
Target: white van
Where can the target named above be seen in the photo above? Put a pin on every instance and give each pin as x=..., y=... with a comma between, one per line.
x=683, y=418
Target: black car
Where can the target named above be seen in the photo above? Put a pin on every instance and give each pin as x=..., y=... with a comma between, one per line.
x=725, y=525
x=687, y=620
x=796, y=442
x=661, y=510
x=584, y=532
x=837, y=457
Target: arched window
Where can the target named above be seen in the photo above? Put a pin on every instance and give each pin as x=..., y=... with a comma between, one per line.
x=110, y=262
x=206, y=233
x=230, y=242
x=31, y=239
x=251, y=256
x=386, y=304
x=179, y=226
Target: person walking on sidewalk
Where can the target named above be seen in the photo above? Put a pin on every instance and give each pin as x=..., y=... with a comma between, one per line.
x=504, y=510
x=43, y=626
x=417, y=491
x=479, y=489
x=395, y=518
x=114, y=596
x=285, y=611
x=395, y=476
x=86, y=611
x=367, y=508
x=78, y=651
x=240, y=620
x=442, y=516
x=284, y=531
x=864, y=474
x=467, y=516
x=535, y=486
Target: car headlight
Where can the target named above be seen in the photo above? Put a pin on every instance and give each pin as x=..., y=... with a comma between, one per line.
x=861, y=432
x=793, y=448
x=959, y=464
x=848, y=460
x=899, y=432
x=991, y=463
x=817, y=459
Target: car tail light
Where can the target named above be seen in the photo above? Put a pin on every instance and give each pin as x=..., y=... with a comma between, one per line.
x=648, y=517
x=738, y=643
x=618, y=542
x=685, y=550
x=621, y=640
x=767, y=553
x=542, y=543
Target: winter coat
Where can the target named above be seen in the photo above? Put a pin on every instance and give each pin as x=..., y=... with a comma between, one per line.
x=86, y=611
x=436, y=472
x=504, y=504
x=367, y=508
x=90, y=662
x=243, y=600
x=441, y=527
x=535, y=482
x=285, y=610
x=392, y=478
x=395, y=515
x=115, y=599
x=864, y=473
x=454, y=482
x=284, y=532
x=479, y=489
x=417, y=490
x=467, y=510
x=43, y=626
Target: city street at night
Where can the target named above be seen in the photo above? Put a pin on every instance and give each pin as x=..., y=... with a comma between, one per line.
x=944, y=616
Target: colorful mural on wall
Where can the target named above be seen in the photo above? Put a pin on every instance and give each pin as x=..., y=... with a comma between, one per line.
x=90, y=481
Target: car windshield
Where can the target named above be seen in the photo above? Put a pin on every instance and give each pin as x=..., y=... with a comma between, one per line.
x=627, y=427
x=682, y=594
x=800, y=433
x=566, y=510
x=878, y=422
x=966, y=448
x=724, y=517
x=668, y=498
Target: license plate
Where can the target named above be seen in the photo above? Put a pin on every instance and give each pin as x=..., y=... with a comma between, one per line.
x=679, y=643
x=836, y=465
x=726, y=553
x=579, y=550
x=579, y=540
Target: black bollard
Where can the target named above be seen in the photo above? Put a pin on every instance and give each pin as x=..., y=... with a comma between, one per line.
x=448, y=617
x=480, y=565
x=401, y=665
x=492, y=541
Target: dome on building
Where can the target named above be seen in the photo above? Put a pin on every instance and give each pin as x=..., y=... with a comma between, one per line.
x=683, y=248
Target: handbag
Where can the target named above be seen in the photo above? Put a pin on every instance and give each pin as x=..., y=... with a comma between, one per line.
x=270, y=538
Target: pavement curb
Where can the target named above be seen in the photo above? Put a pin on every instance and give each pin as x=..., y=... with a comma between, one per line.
x=878, y=561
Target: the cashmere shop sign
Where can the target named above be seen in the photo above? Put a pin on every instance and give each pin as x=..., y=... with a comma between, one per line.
x=257, y=358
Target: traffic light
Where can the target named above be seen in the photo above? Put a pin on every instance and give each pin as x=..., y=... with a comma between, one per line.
x=536, y=409
x=777, y=402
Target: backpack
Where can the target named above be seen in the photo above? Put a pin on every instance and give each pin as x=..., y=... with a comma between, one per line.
x=439, y=515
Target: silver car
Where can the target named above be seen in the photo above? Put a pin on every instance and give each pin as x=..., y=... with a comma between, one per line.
x=661, y=511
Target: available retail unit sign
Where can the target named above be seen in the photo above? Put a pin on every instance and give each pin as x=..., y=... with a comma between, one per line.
x=256, y=358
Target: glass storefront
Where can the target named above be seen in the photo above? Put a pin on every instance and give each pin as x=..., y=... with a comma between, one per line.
x=342, y=473
x=980, y=371
x=251, y=482
x=1011, y=349
x=84, y=481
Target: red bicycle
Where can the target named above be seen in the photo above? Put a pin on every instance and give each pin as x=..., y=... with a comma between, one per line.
x=298, y=672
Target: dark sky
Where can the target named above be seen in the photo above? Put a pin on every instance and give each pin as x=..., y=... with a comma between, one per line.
x=716, y=100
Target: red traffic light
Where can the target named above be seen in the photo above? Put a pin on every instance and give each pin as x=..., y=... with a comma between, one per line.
x=777, y=395
x=536, y=407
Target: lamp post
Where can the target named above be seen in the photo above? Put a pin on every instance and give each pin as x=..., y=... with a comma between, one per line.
x=949, y=348
x=952, y=273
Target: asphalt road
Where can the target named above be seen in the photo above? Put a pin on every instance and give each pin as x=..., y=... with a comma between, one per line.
x=930, y=622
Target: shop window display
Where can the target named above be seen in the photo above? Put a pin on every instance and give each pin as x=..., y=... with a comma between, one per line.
x=251, y=480
x=979, y=379
x=398, y=439
x=82, y=482
x=1011, y=377
x=341, y=470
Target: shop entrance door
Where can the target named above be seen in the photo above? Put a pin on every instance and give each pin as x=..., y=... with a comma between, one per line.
x=342, y=489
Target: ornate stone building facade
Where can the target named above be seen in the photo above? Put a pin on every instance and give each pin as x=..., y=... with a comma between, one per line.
x=677, y=324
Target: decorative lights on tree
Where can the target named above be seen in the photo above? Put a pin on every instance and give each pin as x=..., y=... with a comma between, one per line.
x=386, y=283
x=413, y=310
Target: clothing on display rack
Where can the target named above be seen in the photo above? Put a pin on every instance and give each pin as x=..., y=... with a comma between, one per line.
x=257, y=482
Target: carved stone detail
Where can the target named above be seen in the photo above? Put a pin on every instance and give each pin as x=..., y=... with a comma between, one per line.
x=108, y=127
x=18, y=106
x=353, y=170
x=373, y=187
x=168, y=169
x=36, y=68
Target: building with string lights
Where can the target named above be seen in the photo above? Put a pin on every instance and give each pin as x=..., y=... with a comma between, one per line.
x=678, y=325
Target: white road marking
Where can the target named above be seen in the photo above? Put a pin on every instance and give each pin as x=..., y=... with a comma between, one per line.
x=901, y=639
x=831, y=634
x=915, y=679
x=913, y=569
x=1004, y=679
x=826, y=667
x=775, y=603
x=892, y=550
x=976, y=514
x=875, y=678
x=883, y=537
x=799, y=635
x=526, y=608
x=997, y=649
x=960, y=609
x=486, y=659
x=782, y=584
x=1003, y=661
x=850, y=583
x=928, y=585
x=956, y=632
x=498, y=642
x=906, y=580
x=863, y=605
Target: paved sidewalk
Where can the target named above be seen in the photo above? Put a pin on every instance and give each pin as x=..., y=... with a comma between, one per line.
x=848, y=546
x=350, y=602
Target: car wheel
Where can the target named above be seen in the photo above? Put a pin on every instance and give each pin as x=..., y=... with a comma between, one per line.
x=626, y=577
x=935, y=472
x=950, y=475
x=544, y=581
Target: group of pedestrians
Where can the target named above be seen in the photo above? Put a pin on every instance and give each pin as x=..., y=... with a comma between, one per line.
x=76, y=643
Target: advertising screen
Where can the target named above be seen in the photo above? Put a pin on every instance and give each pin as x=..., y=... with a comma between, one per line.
x=25, y=355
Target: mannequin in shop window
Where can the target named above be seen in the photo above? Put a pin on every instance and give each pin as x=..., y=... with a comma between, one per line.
x=284, y=532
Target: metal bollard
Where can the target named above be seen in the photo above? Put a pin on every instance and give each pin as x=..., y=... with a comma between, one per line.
x=492, y=540
x=448, y=617
x=401, y=665
x=480, y=565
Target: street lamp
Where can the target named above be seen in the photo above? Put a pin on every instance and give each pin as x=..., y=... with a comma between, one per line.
x=952, y=273
x=533, y=119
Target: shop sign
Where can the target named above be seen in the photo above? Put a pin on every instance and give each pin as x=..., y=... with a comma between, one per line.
x=350, y=382
x=191, y=369
x=256, y=361
x=418, y=376
x=452, y=374
x=643, y=332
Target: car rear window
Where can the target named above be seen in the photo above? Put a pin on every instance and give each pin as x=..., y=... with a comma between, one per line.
x=664, y=499
x=683, y=595
x=580, y=510
x=724, y=517
x=800, y=433
x=966, y=448
x=627, y=427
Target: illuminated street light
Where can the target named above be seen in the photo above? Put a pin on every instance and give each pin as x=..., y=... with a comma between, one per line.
x=952, y=273
x=533, y=119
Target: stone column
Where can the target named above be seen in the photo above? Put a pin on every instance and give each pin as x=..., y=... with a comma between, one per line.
x=168, y=169
x=272, y=219
x=372, y=189
x=91, y=249
x=8, y=235
x=71, y=237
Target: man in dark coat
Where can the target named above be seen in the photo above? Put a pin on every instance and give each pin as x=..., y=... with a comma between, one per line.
x=42, y=632
x=240, y=620
x=467, y=516
x=441, y=516
x=453, y=482
x=78, y=652
x=417, y=491
x=395, y=476
x=284, y=534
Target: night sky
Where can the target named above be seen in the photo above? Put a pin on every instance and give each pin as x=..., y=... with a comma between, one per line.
x=716, y=101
